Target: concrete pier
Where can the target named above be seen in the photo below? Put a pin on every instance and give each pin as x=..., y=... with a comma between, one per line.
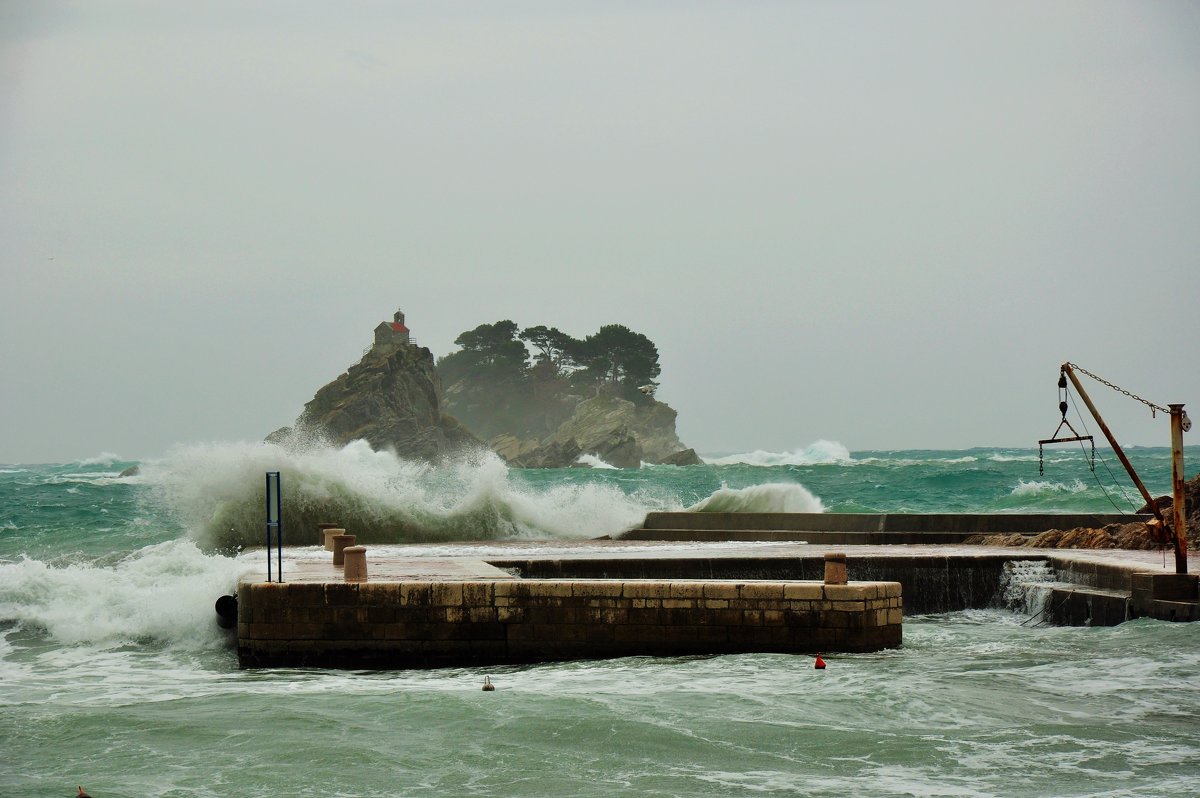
x=429, y=613
x=520, y=601
x=860, y=528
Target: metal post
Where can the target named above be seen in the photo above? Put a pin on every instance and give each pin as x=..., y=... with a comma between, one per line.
x=267, y=494
x=1181, y=542
x=279, y=524
x=274, y=522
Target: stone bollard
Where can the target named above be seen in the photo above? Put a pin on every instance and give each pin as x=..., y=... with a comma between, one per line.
x=355, y=567
x=321, y=532
x=340, y=543
x=329, y=533
x=835, y=569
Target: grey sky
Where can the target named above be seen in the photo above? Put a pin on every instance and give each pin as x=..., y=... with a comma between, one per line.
x=878, y=223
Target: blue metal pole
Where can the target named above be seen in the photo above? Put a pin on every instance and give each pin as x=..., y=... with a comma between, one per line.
x=268, y=509
x=279, y=521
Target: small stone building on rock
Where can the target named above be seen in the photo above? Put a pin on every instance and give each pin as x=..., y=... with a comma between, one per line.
x=392, y=334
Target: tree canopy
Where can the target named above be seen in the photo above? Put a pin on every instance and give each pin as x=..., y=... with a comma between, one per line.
x=618, y=355
x=489, y=353
x=493, y=371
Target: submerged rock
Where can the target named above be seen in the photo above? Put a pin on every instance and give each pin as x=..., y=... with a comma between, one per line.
x=686, y=457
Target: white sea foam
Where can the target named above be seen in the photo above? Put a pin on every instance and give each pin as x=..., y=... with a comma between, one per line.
x=216, y=491
x=1025, y=585
x=102, y=459
x=163, y=592
x=773, y=497
x=914, y=461
x=1041, y=488
x=85, y=478
x=996, y=457
x=821, y=452
x=593, y=461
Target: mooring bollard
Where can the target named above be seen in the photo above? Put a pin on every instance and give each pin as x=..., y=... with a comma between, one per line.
x=340, y=543
x=321, y=532
x=835, y=569
x=355, y=567
x=329, y=533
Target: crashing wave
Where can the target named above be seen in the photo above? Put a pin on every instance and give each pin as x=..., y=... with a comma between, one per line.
x=162, y=592
x=592, y=461
x=102, y=459
x=773, y=497
x=217, y=493
x=1041, y=488
x=821, y=452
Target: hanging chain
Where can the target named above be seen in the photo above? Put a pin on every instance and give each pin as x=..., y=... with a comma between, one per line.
x=1153, y=407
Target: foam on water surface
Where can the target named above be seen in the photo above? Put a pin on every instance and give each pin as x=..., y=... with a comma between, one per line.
x=113, y=673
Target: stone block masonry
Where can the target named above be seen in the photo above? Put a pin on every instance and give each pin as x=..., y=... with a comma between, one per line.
x=415, y=624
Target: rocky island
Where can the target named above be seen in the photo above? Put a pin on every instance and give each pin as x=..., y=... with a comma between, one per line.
x=390, y=398
x=573, y=397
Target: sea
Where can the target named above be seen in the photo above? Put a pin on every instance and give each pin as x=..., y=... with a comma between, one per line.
x=115, y=676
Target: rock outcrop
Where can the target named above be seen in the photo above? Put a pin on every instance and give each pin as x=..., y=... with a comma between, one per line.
x=391, y=399
x=1191, y=507
x=619, y=432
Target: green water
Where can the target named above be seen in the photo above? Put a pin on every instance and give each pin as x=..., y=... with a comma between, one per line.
x=113, y=674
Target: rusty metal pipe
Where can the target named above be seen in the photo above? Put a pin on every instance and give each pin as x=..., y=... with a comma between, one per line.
x=1177, y=488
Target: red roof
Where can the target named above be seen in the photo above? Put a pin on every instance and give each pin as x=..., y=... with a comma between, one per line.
x=398, y=327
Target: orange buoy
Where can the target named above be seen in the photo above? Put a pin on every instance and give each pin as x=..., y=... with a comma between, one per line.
x=487, y=684
x=819, y=664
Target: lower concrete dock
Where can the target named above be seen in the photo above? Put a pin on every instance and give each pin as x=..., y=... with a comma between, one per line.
x=430, y=612
x=517, y=601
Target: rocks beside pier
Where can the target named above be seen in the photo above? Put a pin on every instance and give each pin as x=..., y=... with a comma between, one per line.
x=1134, y=536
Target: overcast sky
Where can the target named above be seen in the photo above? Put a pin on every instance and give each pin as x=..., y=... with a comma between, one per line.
x=884, y=224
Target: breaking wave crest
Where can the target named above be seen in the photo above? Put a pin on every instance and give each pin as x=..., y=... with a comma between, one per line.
x=217, y=492
x=592, y=461
x=774, y=497
x=1041, y=488
x=163, y=592
x=821, y=452
x=102, y=459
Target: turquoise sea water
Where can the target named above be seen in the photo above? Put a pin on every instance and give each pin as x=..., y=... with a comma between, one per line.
x=114, y=675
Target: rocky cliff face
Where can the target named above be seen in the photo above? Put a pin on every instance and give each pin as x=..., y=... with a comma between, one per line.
x=390, y=399
x=619, y=432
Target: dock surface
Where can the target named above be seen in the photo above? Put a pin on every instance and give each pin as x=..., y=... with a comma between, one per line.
x=525, y=601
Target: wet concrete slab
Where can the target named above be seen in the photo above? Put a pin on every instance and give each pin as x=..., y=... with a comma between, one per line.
x=471, y=560
x=387, y=568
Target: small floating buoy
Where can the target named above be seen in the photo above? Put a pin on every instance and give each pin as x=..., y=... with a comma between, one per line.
x=819, y=664
x=82, y=794
x=487, y=684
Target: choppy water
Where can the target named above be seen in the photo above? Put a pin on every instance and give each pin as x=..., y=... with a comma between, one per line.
x=114, y=675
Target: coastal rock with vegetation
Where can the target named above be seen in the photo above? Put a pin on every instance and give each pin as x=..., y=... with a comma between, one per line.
x=591, y=396
x=390, y=398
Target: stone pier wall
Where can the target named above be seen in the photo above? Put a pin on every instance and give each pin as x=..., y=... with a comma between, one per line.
x=931, y=583
x=428, y=624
